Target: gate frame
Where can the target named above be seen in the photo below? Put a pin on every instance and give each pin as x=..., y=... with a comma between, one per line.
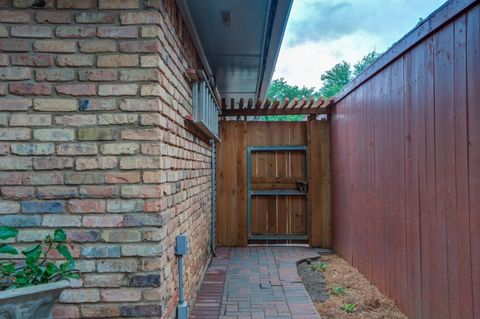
x=272, y=148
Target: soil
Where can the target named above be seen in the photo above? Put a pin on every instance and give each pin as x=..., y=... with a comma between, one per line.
x=320, y=284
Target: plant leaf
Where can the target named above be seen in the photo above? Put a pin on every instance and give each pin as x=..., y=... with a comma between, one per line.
x=8, y=268
x=7, y=232
x=73, y=275
x=59, y=236
x=63, y=250
x=51, y=269
x=7, y=249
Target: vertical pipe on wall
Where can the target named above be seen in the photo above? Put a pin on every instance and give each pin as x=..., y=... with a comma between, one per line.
x=212, y=230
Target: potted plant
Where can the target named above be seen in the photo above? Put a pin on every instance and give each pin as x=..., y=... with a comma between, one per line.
x=30, y=285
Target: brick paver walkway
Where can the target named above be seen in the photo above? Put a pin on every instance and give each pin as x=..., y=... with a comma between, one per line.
x=255, y=283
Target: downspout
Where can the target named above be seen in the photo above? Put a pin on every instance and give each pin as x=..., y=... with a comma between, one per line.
x=212, y=229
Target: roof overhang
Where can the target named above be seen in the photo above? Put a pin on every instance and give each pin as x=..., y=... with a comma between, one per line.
x=238, y=42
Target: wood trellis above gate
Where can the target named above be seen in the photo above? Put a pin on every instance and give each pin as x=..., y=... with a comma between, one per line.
x=275, y=107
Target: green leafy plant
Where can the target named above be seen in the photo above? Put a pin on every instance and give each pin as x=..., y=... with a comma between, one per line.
x=317, y=266
x=36, y=267
x=338, y=291
x=349, y=307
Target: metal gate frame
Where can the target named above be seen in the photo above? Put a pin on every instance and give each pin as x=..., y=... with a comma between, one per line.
x=250, y=192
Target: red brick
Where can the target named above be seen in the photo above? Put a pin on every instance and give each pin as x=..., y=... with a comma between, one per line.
x=52, y=192
x=97, y=75
x=86, y=206
x=55, y=46
x=15, y=45
x=98, y=191
x=75, y=32
x=151, y=17
x=95, y=17
x=53, y=17
x=53, y=163
x=66, y=311
x=76, y=89
x=10, y=178
x=103, y=221
x=145, y=135
x=76, y=4
x=15, y=16
x=117, y=32
x=75, y=60
x=33, y=4
x=117, y=60
x=93, y=46
x=18, y=192
x=31, y=31
x=32, y=59
x=122, y=178
x=118, y=4
x=144, y=46
x=121, y=295
x=100, y=311
x=30, y=88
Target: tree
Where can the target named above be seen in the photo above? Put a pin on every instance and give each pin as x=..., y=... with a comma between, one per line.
x=335, y=79
x=365, y=62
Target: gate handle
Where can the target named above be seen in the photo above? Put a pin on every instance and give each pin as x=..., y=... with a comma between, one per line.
x=302, y=185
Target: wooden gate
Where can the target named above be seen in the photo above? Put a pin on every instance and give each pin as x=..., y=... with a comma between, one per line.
x=273, y=183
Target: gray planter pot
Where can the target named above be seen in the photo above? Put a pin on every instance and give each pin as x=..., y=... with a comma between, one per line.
x=33, y=302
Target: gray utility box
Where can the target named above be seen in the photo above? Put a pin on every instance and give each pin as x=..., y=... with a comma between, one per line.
x=182, y=246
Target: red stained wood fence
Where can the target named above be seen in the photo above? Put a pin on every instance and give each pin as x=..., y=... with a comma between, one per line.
x=406, y=168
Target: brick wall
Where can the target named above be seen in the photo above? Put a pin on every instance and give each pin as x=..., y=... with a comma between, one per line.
x=92, y=139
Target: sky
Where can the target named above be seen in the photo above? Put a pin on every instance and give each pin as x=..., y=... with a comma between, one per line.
x=322, y=33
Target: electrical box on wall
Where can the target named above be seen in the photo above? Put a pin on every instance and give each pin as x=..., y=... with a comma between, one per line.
x=182, y=246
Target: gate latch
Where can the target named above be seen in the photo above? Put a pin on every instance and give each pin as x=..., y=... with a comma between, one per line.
x=302, y=186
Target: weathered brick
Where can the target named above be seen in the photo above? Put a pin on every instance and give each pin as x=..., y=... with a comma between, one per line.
x=76, y=149
x=120, y=148
x=14, y=134
x=97, y=105
x=31, y=31
x=75, y=4
x=72, y=60
x=55, y=46
x=117, y=89
x=65, y=311
x=15, y=16
x=3, y=31
x=30, y=89
x=152, y=90
x=33, y=149
x=99, y=191
x=4, y=149
x=155, y=206
x=4, y=119
x=122, y=177
x=140, y=75
x=101, y=251
x=154, y=177
x=76, y=120
x=30, y=119
x=143, y=134
x=79, y=295
x=104, y=280
x=103, y=221
x=124, y=206
x=142, y=46
x=3, y=59
x=55, y=105
x=122, y=235
x=146, y=17
x=117, y=265
x=140, y=105
x=83, y=178
x=140, y=162
x=15, y=45
x=77, y=89
x=143, y=191
x=86, y=206
x=103, y=162
x=152, y=31
x=142, y=250
x=144, y=280
x=117, y=60
x=157, y=234
x=32, y=59
x=97, y=75
x=9, y=207
x=37, y=178
x=115, y=119
x=94, y=46
x=33, y=4
x=20, y=221
x=121, y=295
x=100, y=310
x=15, y=73
x=61, y=220
x=118, y=4
x=151, y=310
x=10, y=178
x=153, y=119
x=42, y=207
x=141, y=220
x=54, y=74
x=53, y=17
x=54, y=134
x=53, y=163
x=117, y=32
x=75, y=32
x=55, y=192
x=95, y=17
x=15, y=104
x=96, y=134
x=85, y=236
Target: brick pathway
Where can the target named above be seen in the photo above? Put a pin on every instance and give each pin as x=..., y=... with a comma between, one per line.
x=255, y=283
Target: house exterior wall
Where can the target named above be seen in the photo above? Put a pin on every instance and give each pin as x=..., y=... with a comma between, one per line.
x=92, y=139
x=406, y=169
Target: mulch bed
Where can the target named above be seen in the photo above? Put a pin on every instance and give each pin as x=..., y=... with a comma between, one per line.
x=333, y=285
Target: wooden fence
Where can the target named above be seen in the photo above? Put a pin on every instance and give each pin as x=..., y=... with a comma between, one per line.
x=406, y=168
x=273, y=215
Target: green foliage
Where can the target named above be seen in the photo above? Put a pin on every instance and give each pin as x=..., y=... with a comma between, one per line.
x=317, y=266
x=339, y=291
x=335, y=79
x=37, y=268
x=365, y=62
x=349, y=307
